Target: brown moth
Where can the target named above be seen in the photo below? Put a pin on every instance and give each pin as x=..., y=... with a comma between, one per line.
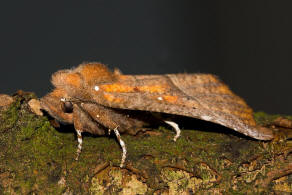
x=97, y=100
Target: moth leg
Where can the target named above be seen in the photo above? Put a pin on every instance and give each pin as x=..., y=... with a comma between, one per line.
x=122, y=143
x=176, y=128
x=79, y=147
x=84, y=123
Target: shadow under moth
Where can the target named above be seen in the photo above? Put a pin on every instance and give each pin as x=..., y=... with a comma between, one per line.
x=97, y=100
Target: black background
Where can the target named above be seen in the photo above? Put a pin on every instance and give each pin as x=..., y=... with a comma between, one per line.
x=247, y=43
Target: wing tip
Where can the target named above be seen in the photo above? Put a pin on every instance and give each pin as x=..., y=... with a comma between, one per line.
x=262, y=133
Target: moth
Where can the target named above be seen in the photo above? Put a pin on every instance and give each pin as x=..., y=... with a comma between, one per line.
x=97, y=100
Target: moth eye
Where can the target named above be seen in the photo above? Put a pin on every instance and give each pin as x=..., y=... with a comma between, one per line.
x=67, y=107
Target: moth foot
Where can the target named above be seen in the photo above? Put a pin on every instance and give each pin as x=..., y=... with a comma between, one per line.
x=79, y=147
x=176, y=128
x=122, y=143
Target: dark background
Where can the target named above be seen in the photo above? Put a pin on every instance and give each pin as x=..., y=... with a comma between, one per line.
x=247, y=44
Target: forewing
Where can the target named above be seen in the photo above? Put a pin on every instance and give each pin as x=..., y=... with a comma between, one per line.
x=200, y=96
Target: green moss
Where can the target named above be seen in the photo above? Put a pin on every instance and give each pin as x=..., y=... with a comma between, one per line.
x=32, y=147
x=36, y=158
x=9, y=116
x=264, y=118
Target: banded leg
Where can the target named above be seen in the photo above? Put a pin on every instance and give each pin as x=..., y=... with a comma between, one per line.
x=122, y=143
x=176, y=128
x=79, y=148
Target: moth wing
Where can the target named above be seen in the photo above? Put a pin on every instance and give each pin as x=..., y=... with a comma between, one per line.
x=201, y=96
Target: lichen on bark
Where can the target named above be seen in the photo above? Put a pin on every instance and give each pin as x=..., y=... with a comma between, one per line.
x=37, y=158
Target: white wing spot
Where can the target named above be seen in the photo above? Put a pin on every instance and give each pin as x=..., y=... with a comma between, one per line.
x=96, y=88
x=207, y=118
x=97, y=116
x=160, y=98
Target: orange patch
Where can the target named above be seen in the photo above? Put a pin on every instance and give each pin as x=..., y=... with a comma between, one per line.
x=112, y=98
x=73, y=79
x=58, y=93
x=117, y=88
x=95, y=71
x=151, y=89
x=171, y=99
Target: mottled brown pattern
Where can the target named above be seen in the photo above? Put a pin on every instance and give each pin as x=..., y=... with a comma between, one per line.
x=106, y=98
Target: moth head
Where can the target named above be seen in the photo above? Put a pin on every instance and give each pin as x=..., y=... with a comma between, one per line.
x=58, y=106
